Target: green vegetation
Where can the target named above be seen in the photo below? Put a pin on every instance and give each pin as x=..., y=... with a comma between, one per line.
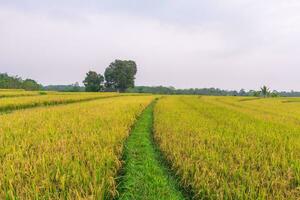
x=93, y=82
x=207, y=91
x=15, y=82
x=65, y=88
x=265, y=91
x=120, y=75
x=194, y=91
x=145, y=176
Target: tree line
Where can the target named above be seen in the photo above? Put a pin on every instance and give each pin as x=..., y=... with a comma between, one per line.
x=262, y=92
x=65, y=88
x=120, y=76
x=15, y=82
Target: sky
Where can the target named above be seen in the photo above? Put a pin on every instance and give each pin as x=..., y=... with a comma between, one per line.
x=230, y=44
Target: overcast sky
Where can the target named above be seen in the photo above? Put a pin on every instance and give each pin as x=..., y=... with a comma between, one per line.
x=228, y=44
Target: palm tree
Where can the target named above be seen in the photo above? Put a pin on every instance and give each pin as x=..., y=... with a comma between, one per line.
x=265, y=91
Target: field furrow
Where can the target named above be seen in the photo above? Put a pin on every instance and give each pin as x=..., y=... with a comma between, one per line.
x=145, y=175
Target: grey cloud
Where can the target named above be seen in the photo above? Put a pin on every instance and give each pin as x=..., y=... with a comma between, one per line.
x=230, y=44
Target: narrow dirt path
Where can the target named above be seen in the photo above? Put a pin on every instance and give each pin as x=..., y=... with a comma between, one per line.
x=145, y=175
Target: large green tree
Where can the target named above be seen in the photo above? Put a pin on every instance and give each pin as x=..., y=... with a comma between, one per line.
x=93, y=82
x=120, y=75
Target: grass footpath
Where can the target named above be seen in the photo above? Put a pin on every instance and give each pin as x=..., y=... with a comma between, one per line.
x=145, y=176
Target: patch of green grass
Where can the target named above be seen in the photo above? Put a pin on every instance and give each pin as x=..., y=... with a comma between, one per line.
x=145, y=176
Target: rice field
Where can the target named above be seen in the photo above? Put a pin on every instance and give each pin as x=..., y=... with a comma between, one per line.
x=21, y=102
x=65, y=152
x=17, y=93
x=109, y=146
x=231, y=148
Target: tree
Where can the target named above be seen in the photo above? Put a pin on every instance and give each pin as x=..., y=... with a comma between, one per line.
x=242, y=92
x=120, y=75
x=15, y=82
x=274, y=93
x=30, y=84
x=75, y=87
x=10, y=82
x=93, y=82
x=256, y=93
x=265, y=91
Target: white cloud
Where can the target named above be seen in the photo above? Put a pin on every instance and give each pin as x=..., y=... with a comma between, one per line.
x=228, y=44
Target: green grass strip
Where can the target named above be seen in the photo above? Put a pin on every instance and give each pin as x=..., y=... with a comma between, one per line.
x=145, y=175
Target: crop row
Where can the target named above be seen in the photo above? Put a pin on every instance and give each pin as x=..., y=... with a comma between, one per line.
x=18, y=93
x=66, y=152
x=8, y=104
x=285, y=111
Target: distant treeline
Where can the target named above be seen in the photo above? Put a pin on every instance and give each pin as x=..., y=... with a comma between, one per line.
x=206, y=91
x=65, y=88
x=15, y=82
